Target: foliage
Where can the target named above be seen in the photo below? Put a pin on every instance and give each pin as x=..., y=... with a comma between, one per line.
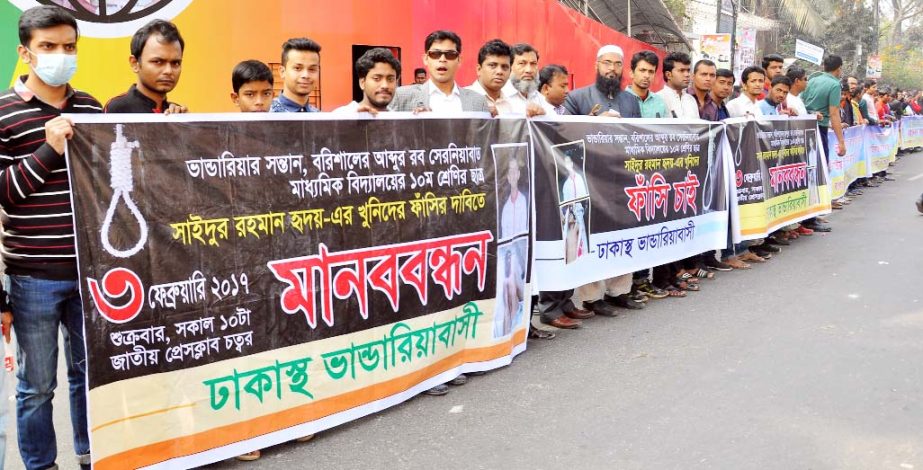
x=901, y=67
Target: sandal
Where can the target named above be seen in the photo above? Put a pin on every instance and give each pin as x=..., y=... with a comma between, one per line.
x=673, y=291
x=689, y=278
x=687, y=286
x=704, y=274
x=536, y=333
x=249, y=456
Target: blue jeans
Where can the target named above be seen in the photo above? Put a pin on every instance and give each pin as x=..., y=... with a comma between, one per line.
x=41, y=307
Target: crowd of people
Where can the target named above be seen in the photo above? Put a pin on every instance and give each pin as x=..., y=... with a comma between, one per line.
x=38, y=234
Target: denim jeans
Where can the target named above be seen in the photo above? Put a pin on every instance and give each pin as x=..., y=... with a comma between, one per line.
x=40, y=308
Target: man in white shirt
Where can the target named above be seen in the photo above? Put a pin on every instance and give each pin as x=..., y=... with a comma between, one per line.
x=799, y=80
x=493, y=73
x=677, y=67
x=747, y=104
x=553, y=85
x=871, y=91
x=378, y=71
x=522, y=89
x=514, y=217
x=440, y=94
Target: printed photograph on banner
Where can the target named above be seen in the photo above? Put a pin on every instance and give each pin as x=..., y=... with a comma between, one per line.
x=810, y=145
x=570, y=167
x=575, y=221
x=513, y=189
x=511, y=281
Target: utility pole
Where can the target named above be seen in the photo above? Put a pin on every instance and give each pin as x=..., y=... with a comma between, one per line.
x=629, y=18
x=877, y=27
x=734, y=10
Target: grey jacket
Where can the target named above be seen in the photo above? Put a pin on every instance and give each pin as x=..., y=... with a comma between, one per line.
x=581, y=102
x=410, y=97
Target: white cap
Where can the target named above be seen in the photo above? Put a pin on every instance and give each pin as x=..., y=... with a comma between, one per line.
x=610, y=49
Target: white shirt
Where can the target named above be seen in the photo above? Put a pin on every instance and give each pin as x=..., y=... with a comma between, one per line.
x=795, y=102
x=574, y=188
x=439, y=102
x=519, y=102
x=514, y=219
x=502, y=104
x=683, y=105
x=348, y=108
x=870, y=106
x=742, y=106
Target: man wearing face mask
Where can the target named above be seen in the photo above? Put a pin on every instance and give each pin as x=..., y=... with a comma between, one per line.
x=157, y=58
x=605, y=97
x=38, y=232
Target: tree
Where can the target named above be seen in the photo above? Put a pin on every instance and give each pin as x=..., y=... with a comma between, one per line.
x=901, y=11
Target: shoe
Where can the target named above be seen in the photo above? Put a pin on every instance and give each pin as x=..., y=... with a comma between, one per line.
x=579, y=314
x=803, y=230
x=736, y=263
x=638, y=296
x=649, y=290
x=820, y=228
x=920, y=204
x=305, y=438
x=462, y=379
x=563, y=323
x=602, y=308
x=791, y=235
x=769, y=248
x=624, y=302
x=836, y=205
x=821, y=219
x=438, y=390
x=538, y=333
x=854, y=192
x=778, y=240
x=712, y=263
x=888, y=178
x=249, y=456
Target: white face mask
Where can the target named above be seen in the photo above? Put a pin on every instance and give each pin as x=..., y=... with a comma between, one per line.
x=54, y=69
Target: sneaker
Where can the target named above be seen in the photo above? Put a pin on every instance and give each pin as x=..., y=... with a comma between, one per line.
x=624, y=302
x=651, y=291
x=438, y=390
x=712, y=263
x=638, y=296
x=802, y=230
x=462, y=379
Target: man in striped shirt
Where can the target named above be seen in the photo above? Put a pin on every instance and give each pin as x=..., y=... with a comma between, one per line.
x=38, y=231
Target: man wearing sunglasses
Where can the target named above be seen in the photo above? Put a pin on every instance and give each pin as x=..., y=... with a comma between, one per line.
x=440, y=94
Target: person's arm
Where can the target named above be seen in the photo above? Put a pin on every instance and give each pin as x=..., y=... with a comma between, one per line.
x=570, y=104
x=19, y=179
x=837, y=126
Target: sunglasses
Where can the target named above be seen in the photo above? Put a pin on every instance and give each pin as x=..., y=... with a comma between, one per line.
x=435, y=54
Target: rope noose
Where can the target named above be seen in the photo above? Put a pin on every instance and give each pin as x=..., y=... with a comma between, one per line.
x=122, y=184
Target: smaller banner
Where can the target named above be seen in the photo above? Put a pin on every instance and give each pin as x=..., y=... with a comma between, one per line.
x=716, y=48
x=779, y=174
x=850, y=167
x=808, y=52
x=873, y=68
x=911, y=132
x=613, y=197
x=745, y=54
x=880, y=146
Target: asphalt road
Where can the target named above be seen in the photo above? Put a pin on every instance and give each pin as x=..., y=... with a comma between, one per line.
x=812, y=361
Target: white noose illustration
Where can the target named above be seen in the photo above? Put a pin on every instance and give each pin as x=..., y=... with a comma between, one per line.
x=122, y=184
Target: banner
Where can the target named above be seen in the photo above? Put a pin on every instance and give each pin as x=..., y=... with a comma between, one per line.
x=911, y=132
x=250, y=281
x=850, y=167
x=873, y=68
x=745, y=55
x=881, y=145
x=613, y=196
x=779, y=174
x=717, y=48
x=809, y=52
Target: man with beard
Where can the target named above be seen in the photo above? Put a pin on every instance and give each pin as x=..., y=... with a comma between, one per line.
x=442, y=57
x=522, y=89
x=605, y=97
x=419, y=75
x=676, y=75
x=300, y=71
x=157, y=58
x=747, y=104
x=377, y=70
x=493, y=73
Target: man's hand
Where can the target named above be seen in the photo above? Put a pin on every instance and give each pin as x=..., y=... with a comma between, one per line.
x=840, y=148
x=367, y=109
x=611, y=113
x=6, y=320
x=790, y=112
x=533, y=110
x=176, y=109
x=820, y=116
x=493, y=109
x=421, y=109
x=57, y=132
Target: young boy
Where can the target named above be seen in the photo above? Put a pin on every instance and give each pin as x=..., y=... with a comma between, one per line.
x=252, y=83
